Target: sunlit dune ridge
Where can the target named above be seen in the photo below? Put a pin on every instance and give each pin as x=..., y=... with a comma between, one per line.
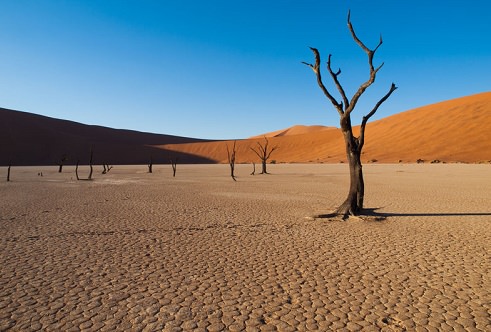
x=457, y=130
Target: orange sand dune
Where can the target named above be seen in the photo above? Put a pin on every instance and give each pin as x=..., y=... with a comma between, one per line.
x=457, y=130
x=454, y=130
x=450, y=131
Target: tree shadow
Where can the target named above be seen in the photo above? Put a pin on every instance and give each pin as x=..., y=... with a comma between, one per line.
x=372, y=212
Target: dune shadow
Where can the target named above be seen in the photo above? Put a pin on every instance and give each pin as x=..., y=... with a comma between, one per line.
x=372, y=212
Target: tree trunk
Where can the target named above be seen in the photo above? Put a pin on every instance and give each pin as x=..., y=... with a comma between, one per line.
x=60, y=168
x=8, y=173
x=264, y=167
x=76, y=170
x=90, y=162
x=353, y=205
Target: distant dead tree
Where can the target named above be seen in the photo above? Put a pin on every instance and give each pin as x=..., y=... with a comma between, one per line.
x=91, y=161
x=76, y=170
x=90, y=164
x=231, y=160
x=353, y=205
x=253, y=168
x=150, y=165
x=106, y=168
x=8, y=172
x=173, y=161
x=62, y=162
x=263, y=152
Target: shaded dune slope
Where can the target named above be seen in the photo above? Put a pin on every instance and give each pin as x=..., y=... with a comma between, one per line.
x=31, y=139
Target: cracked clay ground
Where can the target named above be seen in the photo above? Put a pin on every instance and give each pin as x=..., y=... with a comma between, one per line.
x=132, y=251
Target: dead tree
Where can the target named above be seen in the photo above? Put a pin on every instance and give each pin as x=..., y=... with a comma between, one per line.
x=76, y=170
x=231, y=160
x=173, y=161
x=353, y=204
x=106, y=168
x=90, y=164
x=8, y=172
x=253, y=168
x=150, y=165
x=263, y=153
x=62, y=162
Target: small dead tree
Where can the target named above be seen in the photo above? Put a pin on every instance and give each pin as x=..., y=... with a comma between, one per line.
x=76, y=170
x=353, y=204
x=150, y=165
x=263, y=152
x=231, y=160
x=91, y=161
x=8, y=172
x=253, y=168
x=90, y=164
x=173, y=161
x=106, y=168
x=62, y=162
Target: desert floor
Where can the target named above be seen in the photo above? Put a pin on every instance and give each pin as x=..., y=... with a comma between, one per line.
x=133, y=251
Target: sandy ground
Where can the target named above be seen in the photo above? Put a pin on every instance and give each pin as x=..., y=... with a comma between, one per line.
x=135, y=251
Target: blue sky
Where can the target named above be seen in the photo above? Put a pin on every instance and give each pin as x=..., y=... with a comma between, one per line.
x=232, y=69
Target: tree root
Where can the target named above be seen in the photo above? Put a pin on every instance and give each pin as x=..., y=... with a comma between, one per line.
x=365, y=215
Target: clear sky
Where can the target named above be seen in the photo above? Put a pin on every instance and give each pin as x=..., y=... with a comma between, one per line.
x=232, y=68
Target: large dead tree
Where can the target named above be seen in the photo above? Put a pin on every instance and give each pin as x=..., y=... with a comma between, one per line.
x=231, y=160
x=263, y=152
x=353, y=204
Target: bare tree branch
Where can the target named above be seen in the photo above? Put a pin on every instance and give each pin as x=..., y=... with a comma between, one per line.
x=357, y=40
x=256, y=152
x=271, y=151
x=336, y=81
x=373, y=71
x=361, y=139
x=315, y=68
x=379, y=43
